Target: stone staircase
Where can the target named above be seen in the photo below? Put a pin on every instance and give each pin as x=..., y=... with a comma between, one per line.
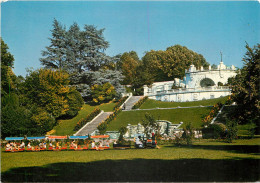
x=131, y=102
x=91, y=126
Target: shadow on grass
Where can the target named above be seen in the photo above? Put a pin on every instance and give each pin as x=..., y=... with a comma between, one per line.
x=143, y=170
x=248, y=149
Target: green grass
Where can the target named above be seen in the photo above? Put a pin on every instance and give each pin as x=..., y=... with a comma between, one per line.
x=193, y=115
x=150, y=104
x=65, y=127
x=204, y=161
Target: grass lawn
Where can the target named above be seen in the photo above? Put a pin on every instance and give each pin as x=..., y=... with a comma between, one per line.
x=193, y=115
x=150, y=104
x=204, y=161
x=65, y=127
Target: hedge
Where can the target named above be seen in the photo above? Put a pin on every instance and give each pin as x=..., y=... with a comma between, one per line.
x=102, y=127
x=120, y=102
x=88, y=118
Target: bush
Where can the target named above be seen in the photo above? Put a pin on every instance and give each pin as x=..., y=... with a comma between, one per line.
x=75, y=102
x=188, y=134
x=103, y=126
x=214, y=131
x=120, y=102
x=88, y=118
x=231, y=132
x=102, y=93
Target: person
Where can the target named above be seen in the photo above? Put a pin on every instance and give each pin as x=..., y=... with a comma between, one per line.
x=44, y=145
x=138, y=142
x=8, y=147
x=93, y=145
x=107, y=143
x=58, y=145
x=100, y=144
x=22, y=145
x=29, y=146
x=51, y=146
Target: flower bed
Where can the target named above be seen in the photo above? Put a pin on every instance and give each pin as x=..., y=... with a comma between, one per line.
x=140, y=102
x=88, y=118
x=213, y=113
x=120, y=102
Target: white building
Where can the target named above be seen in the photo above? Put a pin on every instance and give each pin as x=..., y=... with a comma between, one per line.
x=196, y=85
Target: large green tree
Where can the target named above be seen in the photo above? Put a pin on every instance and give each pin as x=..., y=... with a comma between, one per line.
x=128, y=63
x=245, y=87
x=81, y=53
x=76, y=50
x=171, y=63
x=7, y=76
x=50, y=90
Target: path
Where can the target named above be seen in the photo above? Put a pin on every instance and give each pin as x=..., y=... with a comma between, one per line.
x=91, y=126
x=131, y=102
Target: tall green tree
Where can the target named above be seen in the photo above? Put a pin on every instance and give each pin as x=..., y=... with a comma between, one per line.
x=171, y=63
x=55, y=55
x=7, y=75
x=245, y=87
x=128, y=64
x=50, y=90
x=76, y=50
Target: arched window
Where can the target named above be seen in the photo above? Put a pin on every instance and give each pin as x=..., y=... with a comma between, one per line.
x=206, y=82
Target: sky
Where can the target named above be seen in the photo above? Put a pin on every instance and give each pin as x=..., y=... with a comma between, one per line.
x=207, y=28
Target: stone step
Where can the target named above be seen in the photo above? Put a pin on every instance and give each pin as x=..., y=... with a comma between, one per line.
x=131, y=102
x=92, y=126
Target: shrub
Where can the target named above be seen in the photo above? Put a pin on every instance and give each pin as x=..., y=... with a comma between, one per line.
x=88, y=118
x=188, y=134
x=231, y=132
x=102, y=127
x=102, y=93
x=120, y=102
x=214, y=131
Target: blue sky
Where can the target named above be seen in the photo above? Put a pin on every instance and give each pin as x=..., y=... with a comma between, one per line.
x=204, y=27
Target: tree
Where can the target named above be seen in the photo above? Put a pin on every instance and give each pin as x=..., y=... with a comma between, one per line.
x=50, y=91
x=188, y=134
x=18, y=120
x=75, y=50
x=102, y=93
x=231, y=132
x=122, y=132
x=171, y=63
x=151, y=125
x=7, y=75
x=128, y=63
x=85, y=80
x=55, y=55
x=245, y=88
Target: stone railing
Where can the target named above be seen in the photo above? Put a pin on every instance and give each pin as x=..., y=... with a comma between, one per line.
x=191, y=90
